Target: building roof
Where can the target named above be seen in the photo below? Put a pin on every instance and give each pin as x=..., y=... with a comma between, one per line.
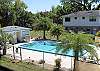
x=84, y=13
x=17, y=27
x=14, y=28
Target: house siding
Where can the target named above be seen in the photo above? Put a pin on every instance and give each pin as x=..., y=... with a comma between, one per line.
x=83, y=24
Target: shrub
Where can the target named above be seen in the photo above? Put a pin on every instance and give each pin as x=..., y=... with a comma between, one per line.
x=98, y=34
x=58, y=65
x=41, y=62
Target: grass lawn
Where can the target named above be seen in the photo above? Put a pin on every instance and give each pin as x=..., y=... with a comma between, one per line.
x=35, y=34
x=21, y=66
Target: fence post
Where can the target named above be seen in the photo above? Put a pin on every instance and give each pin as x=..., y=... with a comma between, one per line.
x=0, y=51
x=43, y=60
x=20, y=54
x=71, y=65
x=13, y=52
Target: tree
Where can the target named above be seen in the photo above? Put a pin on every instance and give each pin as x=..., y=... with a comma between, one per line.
x=56, y=31
x=19, y=6
x=20, y=13
x=56, y=14
x=71, y=7
x=10, y=11
x=98, y=7
x=78, y=43
x=4, y=37
x=25, y=19
x=44, y=24
x=98, y=34
x=58, y=65
x=5, y=11
x=86, y=4
x=97, y=42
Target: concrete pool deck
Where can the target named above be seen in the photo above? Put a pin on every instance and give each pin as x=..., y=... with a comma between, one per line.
x=66, y=62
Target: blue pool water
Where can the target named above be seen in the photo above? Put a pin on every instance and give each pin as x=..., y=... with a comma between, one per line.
x=44, y=46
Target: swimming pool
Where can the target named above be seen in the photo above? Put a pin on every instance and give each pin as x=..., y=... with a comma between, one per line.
x=46, y=46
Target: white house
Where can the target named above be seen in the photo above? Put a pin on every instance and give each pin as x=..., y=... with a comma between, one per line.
x=19, y=33
x=88, y=21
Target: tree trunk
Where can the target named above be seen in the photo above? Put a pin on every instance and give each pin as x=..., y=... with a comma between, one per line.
x=0, y=51
x=76, y=62
x=57, y=37
x=4, y=49
x=44, y=34
x=13, y=52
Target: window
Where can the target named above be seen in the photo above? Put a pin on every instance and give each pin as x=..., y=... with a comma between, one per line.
x=67, y=19
x=92, y=19
x=88, y=29
x=83, y=17
x=75, y=17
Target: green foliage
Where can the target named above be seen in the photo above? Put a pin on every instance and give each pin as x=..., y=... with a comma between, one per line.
x=19, y=7
x=20, y=66
x=44, y=25
x=58, y=65
x=5, y=9
x=25, y=19
x=5, y=37
x=13, y=12
x=56, y=31
x=71, y=7
x=98, y=34
x=78, y=43
x=57, y=12
x=86, y=4
x=98, y=7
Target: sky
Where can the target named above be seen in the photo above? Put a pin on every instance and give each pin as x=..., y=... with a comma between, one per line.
x=40, y=5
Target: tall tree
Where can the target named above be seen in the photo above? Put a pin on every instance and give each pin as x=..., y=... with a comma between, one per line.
x=10, y=11
x=71, y=7
x=56, y=31
x=57, y=12
x=44, y=24
x=98, y=7
x=5, y=11
x=19, y=8
x=86, y=4
x=78, y=43
x=25, y=19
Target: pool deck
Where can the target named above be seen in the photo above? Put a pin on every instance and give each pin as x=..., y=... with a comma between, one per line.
x=66, y=62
